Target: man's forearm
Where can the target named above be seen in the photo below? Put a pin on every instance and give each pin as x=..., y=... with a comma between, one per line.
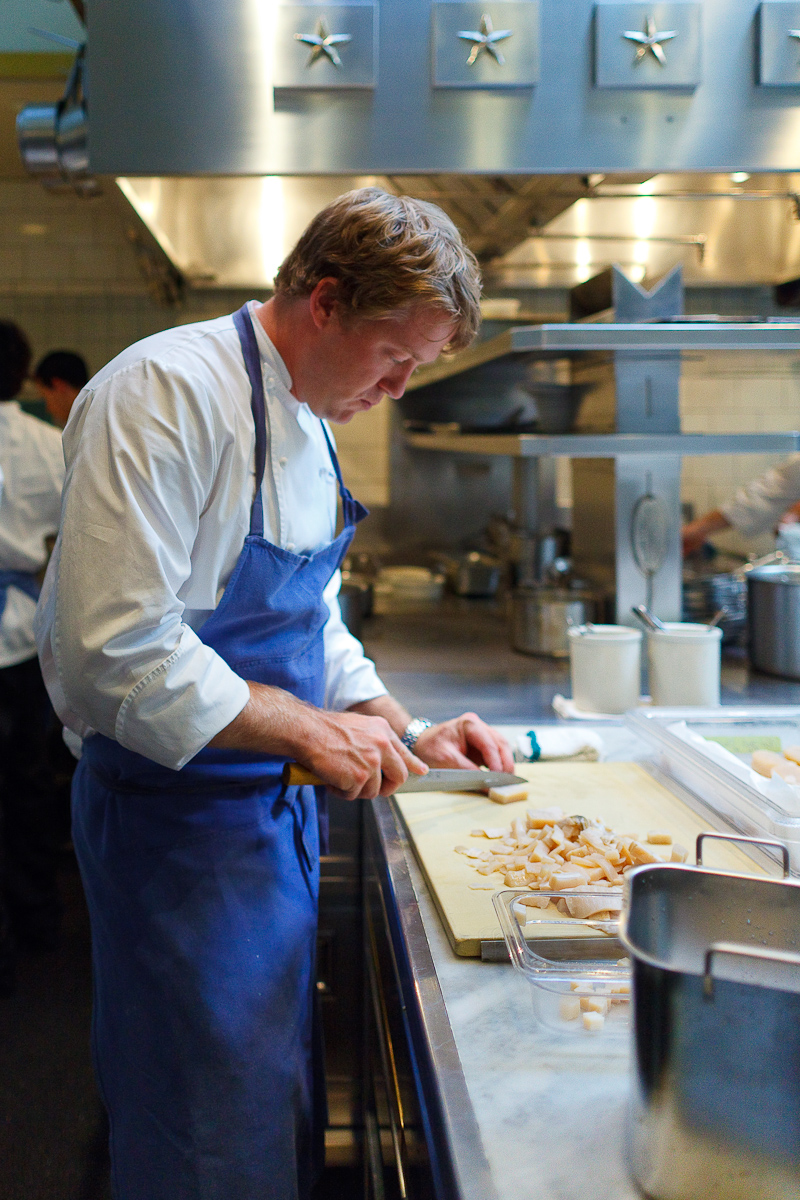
x=695, y=533
x=272, y=722
x=387, y=707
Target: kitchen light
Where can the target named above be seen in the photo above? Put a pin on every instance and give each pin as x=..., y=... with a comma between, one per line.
x=739, y=176
x=272, y=225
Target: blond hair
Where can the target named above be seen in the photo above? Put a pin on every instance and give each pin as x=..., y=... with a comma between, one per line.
x=387, y=253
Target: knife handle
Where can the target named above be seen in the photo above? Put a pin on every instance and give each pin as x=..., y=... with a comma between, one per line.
x=296, y=776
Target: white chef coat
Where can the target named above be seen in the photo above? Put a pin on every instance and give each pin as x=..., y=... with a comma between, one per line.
x=160, y=452
x=32, y=470
x=759, y=505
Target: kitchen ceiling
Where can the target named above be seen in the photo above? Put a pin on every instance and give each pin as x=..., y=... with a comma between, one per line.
x=528, y=231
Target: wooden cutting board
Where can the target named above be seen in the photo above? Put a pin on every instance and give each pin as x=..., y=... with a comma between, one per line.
x=622, y=795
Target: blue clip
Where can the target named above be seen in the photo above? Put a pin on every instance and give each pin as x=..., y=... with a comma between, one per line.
x=536, y=749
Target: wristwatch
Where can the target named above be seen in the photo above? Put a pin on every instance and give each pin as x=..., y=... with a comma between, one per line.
x=412, y=731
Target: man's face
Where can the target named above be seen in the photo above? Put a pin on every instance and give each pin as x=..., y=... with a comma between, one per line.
x=58, y=396
x=356, y=363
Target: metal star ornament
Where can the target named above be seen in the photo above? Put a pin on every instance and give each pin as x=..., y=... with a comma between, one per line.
x=650, y=41
x=323, y=43
x=485, y=40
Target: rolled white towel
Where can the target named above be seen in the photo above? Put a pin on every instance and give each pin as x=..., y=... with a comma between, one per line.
x=546, y=743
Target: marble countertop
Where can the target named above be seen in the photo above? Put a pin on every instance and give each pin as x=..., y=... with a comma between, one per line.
x=550, y=1109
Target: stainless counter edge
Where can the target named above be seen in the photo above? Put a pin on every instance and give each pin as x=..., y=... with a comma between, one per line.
x=445, y=1098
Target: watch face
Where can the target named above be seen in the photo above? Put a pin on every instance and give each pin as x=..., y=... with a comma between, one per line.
x=413, y=730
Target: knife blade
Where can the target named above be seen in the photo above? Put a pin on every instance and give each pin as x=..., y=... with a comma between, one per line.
x=438, y=779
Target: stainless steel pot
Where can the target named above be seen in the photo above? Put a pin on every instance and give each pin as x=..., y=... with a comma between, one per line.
x=474, y=574
x=540, y=618
x=715, y=1108
x=773, y=618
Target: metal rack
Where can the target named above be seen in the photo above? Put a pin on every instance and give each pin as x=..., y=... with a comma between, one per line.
x=640, y=461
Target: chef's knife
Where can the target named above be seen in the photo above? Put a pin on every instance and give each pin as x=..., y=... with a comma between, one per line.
x=438, y=779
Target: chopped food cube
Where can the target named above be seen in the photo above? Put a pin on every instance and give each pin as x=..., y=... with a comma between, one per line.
x=595, y=1004
x=510, y=793
x=569, y=1008
x=658, y=837
x=640, y=854
x=679, y=853
x=593, y=1022
x=540, y=817
x=792, y=753
x=765, y=761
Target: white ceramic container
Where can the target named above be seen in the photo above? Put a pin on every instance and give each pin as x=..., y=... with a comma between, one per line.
x=683, y=665
x=605, y=667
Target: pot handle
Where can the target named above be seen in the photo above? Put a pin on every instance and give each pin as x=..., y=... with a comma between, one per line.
x=737, y=837
x=787, y=957
x=766, y=560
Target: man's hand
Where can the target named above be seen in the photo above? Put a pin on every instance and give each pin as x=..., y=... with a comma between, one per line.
x=466, y=741
x=357, y=756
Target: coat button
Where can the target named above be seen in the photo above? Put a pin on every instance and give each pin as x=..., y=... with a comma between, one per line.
x=290, y=545
x=282, y=462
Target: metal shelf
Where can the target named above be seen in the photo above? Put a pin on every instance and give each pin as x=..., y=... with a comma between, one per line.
x=605, y=445
x=566, y=338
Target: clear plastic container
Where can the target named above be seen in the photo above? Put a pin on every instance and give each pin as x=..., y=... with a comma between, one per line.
x=572, y=979
x=720, y=775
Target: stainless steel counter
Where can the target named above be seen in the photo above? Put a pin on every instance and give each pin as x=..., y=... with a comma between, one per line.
x=513, y=1112
x=487, y=1106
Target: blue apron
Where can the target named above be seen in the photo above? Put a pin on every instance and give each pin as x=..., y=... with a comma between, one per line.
x=202, y=888
x=26, y=583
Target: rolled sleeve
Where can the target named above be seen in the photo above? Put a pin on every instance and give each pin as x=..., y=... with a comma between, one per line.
x=188, y=699
x=759, y=506
x=350, y=677
x=128, y=665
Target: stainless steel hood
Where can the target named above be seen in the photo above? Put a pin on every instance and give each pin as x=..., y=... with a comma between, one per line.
x=190, y=87
x=724, y=230
x=235, y=232
x=528, y=231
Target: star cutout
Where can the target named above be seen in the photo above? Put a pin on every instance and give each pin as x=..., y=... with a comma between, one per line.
x=649, y=40
x=323, y=43
x=485, y=40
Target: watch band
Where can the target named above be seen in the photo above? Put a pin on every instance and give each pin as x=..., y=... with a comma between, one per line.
x=412, y=731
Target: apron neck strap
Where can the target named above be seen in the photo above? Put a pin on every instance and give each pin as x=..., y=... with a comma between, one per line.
x=343, y=492
x=352, y=510
x=252, y=361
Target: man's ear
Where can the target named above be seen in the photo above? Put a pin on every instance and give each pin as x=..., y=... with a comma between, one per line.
x=323, y=301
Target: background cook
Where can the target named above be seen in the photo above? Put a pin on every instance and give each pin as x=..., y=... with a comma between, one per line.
x=31, y=477
x=758, y=507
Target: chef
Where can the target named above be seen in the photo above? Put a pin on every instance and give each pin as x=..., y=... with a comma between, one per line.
x=190, y=635
x=59, y=378
x=32, y=474
x=756, y=508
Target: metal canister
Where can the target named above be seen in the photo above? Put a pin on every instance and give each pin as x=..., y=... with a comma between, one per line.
x=773, y=618
x=541, y=616
x=715, y=1111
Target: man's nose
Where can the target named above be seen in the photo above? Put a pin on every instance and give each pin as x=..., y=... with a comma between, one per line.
x=394, y=382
